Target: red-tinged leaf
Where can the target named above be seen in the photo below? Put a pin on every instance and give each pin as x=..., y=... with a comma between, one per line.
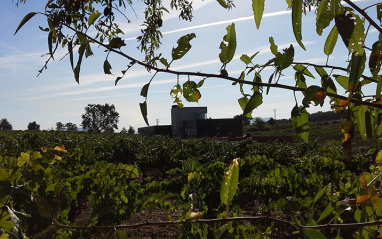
x=361, y=199
x=25, y=20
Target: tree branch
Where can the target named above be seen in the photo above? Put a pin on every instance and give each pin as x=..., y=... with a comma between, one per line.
x=232, y=79
x=218, y=220
x=364, y=14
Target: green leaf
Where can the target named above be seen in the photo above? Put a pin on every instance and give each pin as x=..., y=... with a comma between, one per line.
x=310, y=95
x=219, y=232
x=343, y=81
x=296, y=21
x=121, y=234
x=145, y=89
x=379, y=11
x=303, y=69
x=255, y=100
x=164, y=62
x=43, y=206
x=25, y=20
x=77, y=69
x=190, y=91
x=320, y=71
x=328, y=210
x=246, y=59
x=107, y=67
x=200, y=84
x=183, y=46
x=258, y=10
x=82, y=38
x=363, y=121
x=118, y=79
x=228, y=45
x=323, y=16
x=50, y=43
x=25, y=157
x=331, y=41
x=3, y=174
x=70, y=50
x=230, y=183
x=312, y=234
x=116, y=42
x=357, y=38
x=375, y=59
x=274, y=48
x=357, y=65
x=223, y=3
x=243, y=101
x=93, y=17
x=345, y=26
x=300, y=122
x=143, y=107
x=284, y=60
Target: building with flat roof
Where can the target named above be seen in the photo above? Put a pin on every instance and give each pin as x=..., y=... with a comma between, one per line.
x=188, y=122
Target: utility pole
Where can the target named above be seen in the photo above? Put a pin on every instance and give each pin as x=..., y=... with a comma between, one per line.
x=274, y=113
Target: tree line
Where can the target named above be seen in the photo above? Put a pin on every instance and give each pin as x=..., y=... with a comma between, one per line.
x=97, y=118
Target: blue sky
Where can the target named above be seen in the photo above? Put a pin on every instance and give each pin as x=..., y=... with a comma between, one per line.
x=55, y=96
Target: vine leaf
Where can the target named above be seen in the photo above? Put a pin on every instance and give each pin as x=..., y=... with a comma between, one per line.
x=300, y=119
x=121, y=234
x=228, y=45
x=258, y=10
x=328, y=210
x=296, y=21
x=25, y=20
x=312, y=234
x=43, y=206
x=230, y=183
x=183, y=47
x=364, y=121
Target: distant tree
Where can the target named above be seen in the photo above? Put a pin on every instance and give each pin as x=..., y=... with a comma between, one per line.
x=71, y=127
x=33, y=126
x=59, y=126
x=100, y=118
x=5, y=125
x=131, y=130
x=124, y=130
x=244, y=119
x=271, y=121
x=259, y=122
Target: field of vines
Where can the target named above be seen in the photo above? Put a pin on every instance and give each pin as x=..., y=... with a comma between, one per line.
x=82, y=185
